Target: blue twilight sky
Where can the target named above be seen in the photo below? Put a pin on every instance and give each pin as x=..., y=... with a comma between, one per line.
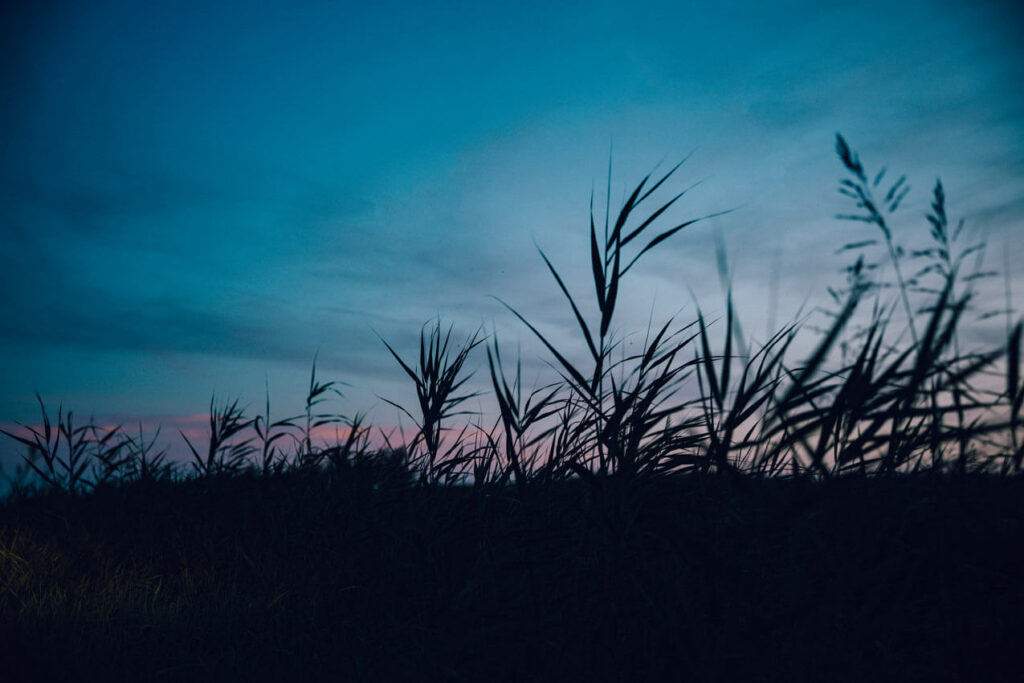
x=196, y=197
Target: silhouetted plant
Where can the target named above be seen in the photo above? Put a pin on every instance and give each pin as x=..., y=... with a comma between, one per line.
x=318, y=393
x=1015, y=398
x=146, y=462
x=271, y=459
x=224, y=453
x=65, y=468
x=517, y=419
x=437, y=379
x=612, y=407
x=874, y=211
x=356, y=441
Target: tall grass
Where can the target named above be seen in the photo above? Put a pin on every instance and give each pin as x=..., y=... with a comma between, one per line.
x=882, y=404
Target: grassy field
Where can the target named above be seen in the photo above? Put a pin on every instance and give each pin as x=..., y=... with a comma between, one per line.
x=707, y=509
x=688, y=578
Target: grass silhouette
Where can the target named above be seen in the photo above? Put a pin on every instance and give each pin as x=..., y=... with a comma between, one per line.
x=687, y=511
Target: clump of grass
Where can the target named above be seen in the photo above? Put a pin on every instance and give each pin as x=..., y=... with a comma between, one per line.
x=517, y=418
x=144, y=461
x=64, y=457
x=271, y=457
x=622, y=420
x=437, y=379
x=225, y=455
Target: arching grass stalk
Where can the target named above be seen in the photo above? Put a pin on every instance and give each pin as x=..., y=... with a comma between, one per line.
x=873, y=212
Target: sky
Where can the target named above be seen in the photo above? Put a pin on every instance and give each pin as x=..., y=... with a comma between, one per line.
x=198, y=197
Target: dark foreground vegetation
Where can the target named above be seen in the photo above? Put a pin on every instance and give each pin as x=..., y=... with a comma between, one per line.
x=688, y=578
x=708, y=509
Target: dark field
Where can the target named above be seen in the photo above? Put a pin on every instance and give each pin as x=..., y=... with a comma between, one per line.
x=684, y=578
